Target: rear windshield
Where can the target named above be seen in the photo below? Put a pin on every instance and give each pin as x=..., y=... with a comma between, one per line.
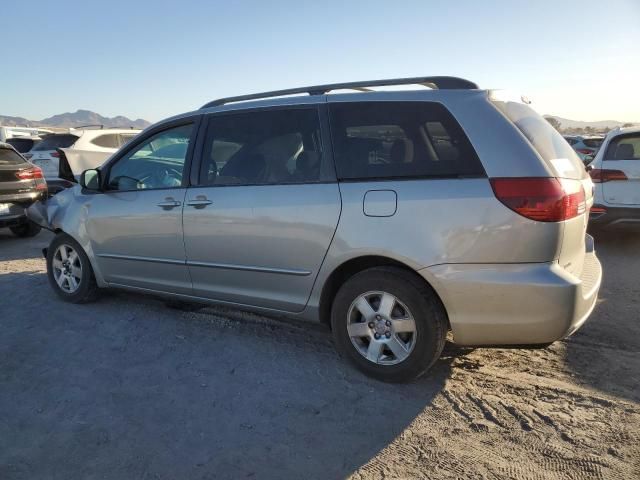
x=593, y=142
x=545, y=139
x=10, y=157
x=51, y=142
x=624, y=147
x=22, y=145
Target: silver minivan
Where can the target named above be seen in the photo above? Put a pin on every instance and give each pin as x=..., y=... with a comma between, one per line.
x=391, y=216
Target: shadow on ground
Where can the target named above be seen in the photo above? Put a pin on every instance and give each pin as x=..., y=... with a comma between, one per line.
x=605, y=352
x=126, y=388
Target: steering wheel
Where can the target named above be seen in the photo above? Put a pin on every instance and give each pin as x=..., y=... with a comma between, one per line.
x=162, y=177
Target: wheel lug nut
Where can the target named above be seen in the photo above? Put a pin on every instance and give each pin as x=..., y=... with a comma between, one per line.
x=371, y=325
x=377, y=336
x=388, y=334
x=378, y=317
x=388, y=323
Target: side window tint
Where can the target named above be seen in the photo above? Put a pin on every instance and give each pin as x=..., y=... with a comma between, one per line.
x=400, y=139
x=109, y=140
x=156, y=163
x=624, y=147
x=262, y=148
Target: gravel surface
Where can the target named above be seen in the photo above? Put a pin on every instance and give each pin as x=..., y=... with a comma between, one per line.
x=127, y=388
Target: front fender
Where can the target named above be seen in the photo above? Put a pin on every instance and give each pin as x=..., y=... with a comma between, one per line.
x=68, y=212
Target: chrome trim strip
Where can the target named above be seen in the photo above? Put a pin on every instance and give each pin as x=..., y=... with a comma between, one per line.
x=226, y=266
x=142, y=259
x=250, y=268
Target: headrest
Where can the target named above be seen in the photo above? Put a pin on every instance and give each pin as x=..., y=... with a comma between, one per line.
x=625, y=151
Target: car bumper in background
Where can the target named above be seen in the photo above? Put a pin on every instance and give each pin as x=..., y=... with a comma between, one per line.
x=624, y=217
x=516, y=304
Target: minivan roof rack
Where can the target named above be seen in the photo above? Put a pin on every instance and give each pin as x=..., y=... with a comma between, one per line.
x=440, y=83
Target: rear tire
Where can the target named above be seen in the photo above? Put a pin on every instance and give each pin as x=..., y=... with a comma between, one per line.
x=26, y=230
x=69, y=271
x=403, y=331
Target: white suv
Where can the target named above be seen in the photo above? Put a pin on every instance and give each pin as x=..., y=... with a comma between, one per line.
x=63, y=156
x=616, y=174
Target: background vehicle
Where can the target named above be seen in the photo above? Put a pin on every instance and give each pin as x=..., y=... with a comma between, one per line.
x=23, y=144
x=616, y=174
x=75, y=151
x=14, y=132
x=390, y=215
x=21, y=184
x=585, y=146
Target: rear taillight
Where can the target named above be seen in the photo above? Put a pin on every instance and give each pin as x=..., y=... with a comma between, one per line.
x=541, y=199
x=55, y=154
x=35, y=174
x=29, y=173
x=604, y=175
x=584, y=151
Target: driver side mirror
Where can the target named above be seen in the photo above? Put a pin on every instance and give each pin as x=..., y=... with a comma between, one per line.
x=91, y=180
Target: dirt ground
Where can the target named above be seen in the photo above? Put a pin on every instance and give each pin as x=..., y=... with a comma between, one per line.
x=127, y=388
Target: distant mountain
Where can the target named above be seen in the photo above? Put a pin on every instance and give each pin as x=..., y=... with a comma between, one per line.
x=567, y=124
x=77, y=119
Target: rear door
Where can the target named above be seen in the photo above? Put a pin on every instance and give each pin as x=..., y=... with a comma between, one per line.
x=623, y=154
x=260, y=221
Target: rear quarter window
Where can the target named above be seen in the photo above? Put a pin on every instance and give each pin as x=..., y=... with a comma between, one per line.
x=546, y=140
x=109, y=140
x=380, y=140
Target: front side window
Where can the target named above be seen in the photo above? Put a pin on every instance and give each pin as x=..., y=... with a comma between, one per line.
x=157, y=162
x=262, y=148
x=624, y=147
x=399, y=139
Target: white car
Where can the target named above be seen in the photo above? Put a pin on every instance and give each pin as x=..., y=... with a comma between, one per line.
x=22, y=132
x=75, y=151
x=615, y=171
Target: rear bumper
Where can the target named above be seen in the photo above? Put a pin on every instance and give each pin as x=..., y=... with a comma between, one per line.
x=624, y=217
x=516, y=304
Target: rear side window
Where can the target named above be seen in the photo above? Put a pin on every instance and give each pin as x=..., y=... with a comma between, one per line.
x=269, y=147
x=9, y=157
x=51, y=142
x=109, y=140
x=624, y=147
x=545, y=139
x=400, y=139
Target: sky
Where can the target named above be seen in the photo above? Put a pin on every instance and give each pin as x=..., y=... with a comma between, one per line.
x=153, y=59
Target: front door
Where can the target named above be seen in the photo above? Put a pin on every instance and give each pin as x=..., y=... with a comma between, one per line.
x=260, y=223
x=135, y=226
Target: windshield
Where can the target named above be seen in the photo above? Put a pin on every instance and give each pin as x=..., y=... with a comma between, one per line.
x=51, y=142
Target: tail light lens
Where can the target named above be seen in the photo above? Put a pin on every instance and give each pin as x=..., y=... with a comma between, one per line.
x=55, y=154
x=35, y=174
x=29, y=173
x=604, y=175
x=541, y=199
x=584, y=151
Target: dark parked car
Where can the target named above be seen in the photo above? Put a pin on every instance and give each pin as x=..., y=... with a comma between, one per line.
x=21, y=184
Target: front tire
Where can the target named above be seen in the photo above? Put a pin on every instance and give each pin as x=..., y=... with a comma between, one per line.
x=389, y=324
x=69, y=271
x=25, y=230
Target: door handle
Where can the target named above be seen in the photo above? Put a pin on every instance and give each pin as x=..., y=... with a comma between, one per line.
x=199, y=202
x=169, y=203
